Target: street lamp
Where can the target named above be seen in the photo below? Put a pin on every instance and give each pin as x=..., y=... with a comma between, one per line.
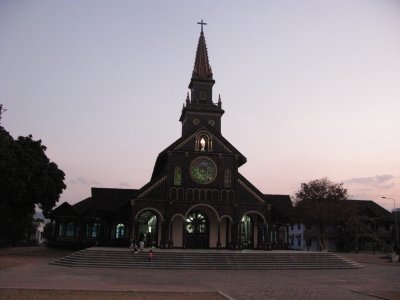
x=395, y=219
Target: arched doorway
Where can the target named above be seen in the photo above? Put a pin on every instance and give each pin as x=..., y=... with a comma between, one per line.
x=246, y=232
x=196, y=230
x=147, y=228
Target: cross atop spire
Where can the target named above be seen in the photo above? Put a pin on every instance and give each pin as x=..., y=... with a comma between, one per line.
x=201, y=23
x=202, y=69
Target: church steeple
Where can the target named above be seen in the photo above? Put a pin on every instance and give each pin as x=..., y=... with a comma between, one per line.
x=199, y=108
x=202, y=80
x=202, y=69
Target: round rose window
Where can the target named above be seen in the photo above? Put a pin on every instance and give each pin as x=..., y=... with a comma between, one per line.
x=203, y=170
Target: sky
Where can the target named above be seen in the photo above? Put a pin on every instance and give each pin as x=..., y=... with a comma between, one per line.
x=310, y=89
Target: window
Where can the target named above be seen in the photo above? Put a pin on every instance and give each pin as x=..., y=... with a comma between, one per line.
x=203, y=143
x=299, y=241
x=70, y=230
x=227, y=178
x=120, y=231
x=93, y=229
x=177, y=175
x=298, y=225
x=61, y=229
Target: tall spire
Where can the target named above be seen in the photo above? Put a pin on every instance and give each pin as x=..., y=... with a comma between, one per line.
x=202, y=69
x=200, y=108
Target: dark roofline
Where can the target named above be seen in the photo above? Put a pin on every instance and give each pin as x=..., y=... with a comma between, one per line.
x=162, y=156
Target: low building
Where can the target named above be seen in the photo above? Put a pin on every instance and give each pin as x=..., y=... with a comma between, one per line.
x=370, y=228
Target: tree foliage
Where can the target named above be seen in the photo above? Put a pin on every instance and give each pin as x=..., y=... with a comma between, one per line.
x=319, y=203
x=27, y=179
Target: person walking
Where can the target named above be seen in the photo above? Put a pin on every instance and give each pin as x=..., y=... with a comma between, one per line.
x=133, y=247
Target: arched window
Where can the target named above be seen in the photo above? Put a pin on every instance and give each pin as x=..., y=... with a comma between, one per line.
x=120, y=231
x=70, y=230
x=177, y=175
x=227, y=178
x=203, y=143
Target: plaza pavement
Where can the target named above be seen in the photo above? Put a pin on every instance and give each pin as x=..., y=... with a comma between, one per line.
x=380, y=279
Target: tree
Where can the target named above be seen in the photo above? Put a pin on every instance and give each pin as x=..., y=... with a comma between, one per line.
x=27, y=179
x=319, y=204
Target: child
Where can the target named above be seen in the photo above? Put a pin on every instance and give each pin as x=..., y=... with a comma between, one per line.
x=150, y=255
x=141, y=246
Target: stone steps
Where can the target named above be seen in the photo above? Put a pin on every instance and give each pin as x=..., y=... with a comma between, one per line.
x=206, y=260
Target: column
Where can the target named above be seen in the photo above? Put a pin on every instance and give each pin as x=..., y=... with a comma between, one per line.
x=219, y=236
x=239, y=239
x=170, y=241
x=227, y=233
x=164, y=233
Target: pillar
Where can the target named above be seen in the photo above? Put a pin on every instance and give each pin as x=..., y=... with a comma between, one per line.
x=170, y=241
x=219, y=235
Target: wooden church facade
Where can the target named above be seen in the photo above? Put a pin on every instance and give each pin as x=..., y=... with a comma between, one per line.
x=196, y=197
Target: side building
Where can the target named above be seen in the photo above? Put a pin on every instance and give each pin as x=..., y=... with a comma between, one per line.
x=370, y=228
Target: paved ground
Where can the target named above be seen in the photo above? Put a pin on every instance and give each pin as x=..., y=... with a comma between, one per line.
x=34, y=272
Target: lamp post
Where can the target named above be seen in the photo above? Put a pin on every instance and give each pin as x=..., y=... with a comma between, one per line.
x=395, y=219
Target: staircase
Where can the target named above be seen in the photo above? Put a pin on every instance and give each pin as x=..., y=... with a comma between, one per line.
x=206, y=260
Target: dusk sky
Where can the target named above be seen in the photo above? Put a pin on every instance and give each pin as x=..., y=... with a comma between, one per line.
x=310, y=89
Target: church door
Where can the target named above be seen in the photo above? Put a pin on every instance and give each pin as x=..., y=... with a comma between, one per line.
x=196, y=231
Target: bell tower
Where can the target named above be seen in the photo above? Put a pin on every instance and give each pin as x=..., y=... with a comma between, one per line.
x=199, y=108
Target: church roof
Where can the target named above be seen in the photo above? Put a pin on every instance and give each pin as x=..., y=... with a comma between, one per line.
x=202, y=69
x=250, y=188
x=160, y=165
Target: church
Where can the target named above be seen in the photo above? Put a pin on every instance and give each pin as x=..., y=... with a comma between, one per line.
x=196, y=198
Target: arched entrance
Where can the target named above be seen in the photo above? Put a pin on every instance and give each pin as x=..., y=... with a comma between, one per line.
x=196, y=230
x=246, y=232
x=147, y=228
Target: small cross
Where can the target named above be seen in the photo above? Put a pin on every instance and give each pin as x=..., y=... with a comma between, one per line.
x=201, y=23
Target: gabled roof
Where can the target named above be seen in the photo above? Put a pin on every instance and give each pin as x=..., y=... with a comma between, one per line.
x=282, y=207
x=282, y=203
x=160, y=165
x=370, y=207
x=64, y=209
x=83, y=205
x=103, y=199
